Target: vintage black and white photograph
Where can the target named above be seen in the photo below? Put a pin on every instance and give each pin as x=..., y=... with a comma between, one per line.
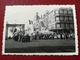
x=40, y=30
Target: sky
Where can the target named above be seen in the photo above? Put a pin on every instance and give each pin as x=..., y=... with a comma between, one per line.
x=22, y=13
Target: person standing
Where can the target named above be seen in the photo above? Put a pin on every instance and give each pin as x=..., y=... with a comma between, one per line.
x=28, y=38
x=15, y=35
x=20, y=36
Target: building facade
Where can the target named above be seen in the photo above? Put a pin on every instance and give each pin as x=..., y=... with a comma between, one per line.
x=64, y=20
x=61, y=20
x=58, y=20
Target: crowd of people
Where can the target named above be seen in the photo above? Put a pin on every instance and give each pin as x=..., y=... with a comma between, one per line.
x=22, y=37
x=54, y=36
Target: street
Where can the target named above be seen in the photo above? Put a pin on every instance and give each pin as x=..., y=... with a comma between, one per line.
x=39, y=46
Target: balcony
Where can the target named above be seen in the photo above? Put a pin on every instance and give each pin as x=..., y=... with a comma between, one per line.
x=64, y=15
x=67, y=21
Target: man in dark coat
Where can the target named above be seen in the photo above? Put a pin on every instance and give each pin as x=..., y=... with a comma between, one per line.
x=20, y=36
x=15, y=35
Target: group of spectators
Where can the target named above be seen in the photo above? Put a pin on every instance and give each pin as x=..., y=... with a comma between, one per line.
x=54, y=36
x=22, y=37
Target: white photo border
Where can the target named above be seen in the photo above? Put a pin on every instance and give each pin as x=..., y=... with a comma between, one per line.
x=48, y=54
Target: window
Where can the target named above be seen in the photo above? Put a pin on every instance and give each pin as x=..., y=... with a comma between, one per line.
x=72, y=26
x=70, y=11
x=61, y=18
x=57, y=18
x=61, y=11
x=65, y=18
x=67, y=26
x=62, y=26
x=58, y=26
x=57, y=11
x=70, y=18
x=65, y=11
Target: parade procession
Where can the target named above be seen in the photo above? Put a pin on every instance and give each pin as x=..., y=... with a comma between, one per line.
x=40, y=29
x=56, y=24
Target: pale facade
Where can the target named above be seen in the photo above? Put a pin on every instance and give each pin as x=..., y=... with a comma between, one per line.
x=57, y=20
x=61, y=20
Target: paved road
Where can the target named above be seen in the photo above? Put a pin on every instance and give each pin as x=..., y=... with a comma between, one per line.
x=40, y=46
